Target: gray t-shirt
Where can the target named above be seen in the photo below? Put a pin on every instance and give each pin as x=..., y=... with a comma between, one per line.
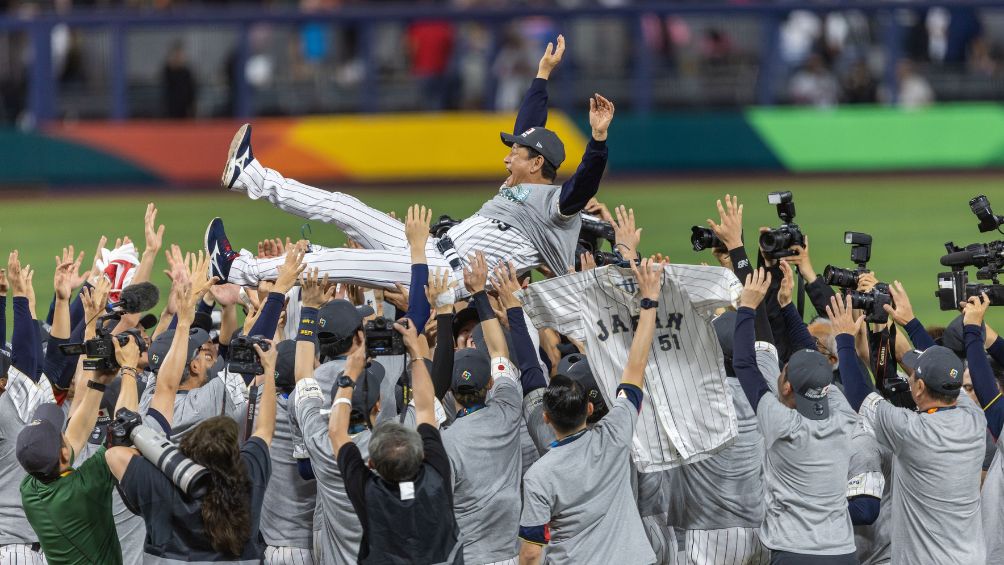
x=223, y=395
x=869, y=473
x=486, y=461
x=726, y=490
x=287, y=515
x=936, y=484
x=805, y=477
x=582, y=489
x=17, y=405
x=338, y=532
x=992, y=508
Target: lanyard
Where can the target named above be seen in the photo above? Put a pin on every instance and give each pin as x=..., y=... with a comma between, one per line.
x=568, y=439
x=470, y=410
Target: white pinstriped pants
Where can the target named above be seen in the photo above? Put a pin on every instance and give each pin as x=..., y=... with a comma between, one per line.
x=728, y=546
x=287, y=556
x=20, y=554
x=384, y=260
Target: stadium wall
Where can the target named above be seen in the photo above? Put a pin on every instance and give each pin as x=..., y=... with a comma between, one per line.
x=465, y=146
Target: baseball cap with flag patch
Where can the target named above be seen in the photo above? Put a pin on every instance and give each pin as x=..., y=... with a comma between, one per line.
x=471, y=370
x=939, y=368
x=541, y=140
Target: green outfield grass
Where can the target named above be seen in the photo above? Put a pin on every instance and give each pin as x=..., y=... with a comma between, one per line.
x=909, y=218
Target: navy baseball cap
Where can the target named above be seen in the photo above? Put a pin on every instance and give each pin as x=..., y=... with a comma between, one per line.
x=367, y=390
x=339, y=319
x=939, y=367
x=567, y=361
x=471, y=370
x=40, y=442
x=541, y=140
x=953, y=339
x=285, y=379
x=580, y=372
x=810, y=375
x=162, y=344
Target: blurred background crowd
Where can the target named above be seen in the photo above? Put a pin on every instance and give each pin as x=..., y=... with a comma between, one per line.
x=312, y=60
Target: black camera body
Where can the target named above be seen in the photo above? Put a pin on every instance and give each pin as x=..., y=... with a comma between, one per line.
x=382, y=338
x=776, y=243
x=592, y=233
x=988, y=258
x=872, y=303
x=120, y=429
x=954, y=287
x=989, y=221
x=99, y=351
x=702, y=238
x=861, y=253
x=243, y=358
x=442, y=225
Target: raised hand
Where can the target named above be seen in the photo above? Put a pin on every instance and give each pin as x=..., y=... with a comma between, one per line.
x=803, y=261
x=398, y=297
x=225, y=294
x=127, y=355
x=315, y=292
x=355, y=363
x=154, y=235
x=409, y=334
x=507, y=284
x=476, y=272
x=416, y=228
x=974, y=309
x=755, y=288
x=601, y=113
x=95, y=271
x=61, y=281
x=627, y=237
x=597, y=208
x=841, y=315
x=95, y=298
x=901, y=311
x=440, y=287
x=550, y=59
x=787, y=285
x=14, y=273
x=267, y=357
x=291, y=270
x=866, y=281
x=649, y=277
x=586, y=262
x=730, y=230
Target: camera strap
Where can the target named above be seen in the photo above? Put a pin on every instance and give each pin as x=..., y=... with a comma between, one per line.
x=882, y=346
x=251, y=411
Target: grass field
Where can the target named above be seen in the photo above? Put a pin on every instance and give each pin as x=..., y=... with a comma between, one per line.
x=909, y=218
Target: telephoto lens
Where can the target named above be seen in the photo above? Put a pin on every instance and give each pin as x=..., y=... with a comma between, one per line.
x=702, y=238
x=837, y=276
x=189, y=476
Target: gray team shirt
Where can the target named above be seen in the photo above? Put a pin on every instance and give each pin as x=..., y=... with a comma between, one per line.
x=805, y=477
x=220, y=396
x=936, y=486
x=287, y=514
x=583, y=490
x=870, y=473
x=338, y=532
x=485, y=458
x=992, y=508
x=17, y=405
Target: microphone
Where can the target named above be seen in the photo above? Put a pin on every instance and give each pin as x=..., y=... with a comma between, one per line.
x=958, y=259
x=138, y=297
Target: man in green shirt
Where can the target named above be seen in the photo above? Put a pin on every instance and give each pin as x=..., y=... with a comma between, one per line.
x=71, y=508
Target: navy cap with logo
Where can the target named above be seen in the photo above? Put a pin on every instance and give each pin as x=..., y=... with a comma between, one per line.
x=367, y=390
x=40, y=442
x=541, y=140
x=810, y=375
x=939, y=367
x=285, y=379
x=339, y=319
x=580, y=372
x=162, y=344
x=471, y=370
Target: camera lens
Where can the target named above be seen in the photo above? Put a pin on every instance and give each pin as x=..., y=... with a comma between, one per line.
x=775, y=240
x=704, y=238
x=844, y=278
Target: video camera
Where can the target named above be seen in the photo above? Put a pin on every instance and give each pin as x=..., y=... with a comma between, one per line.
x=988, y=258
x=243, y=358
x=591, y=235
x=128, y=430
x=99, y=351
x=776, y=243
x=382, y=338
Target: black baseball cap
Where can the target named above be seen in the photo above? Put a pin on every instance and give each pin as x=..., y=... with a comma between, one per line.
x=203, y=321
x=953, y=338
x=567, y=361
x=339, y=319
x=542, y=140
x=285, y=379
x=471, y=370
x=810, y=375
x=938, y=366
x=367, y=390
x=162, y=344
x=40, y=442
x=579, y=371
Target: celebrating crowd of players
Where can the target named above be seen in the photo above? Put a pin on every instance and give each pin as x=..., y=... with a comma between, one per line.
x=412, y=398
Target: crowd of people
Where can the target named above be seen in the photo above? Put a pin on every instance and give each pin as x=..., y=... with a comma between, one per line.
x=414, y=398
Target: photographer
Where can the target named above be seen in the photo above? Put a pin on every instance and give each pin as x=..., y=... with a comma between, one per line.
x=71, y=508
x=222, y=525
x=943, y=438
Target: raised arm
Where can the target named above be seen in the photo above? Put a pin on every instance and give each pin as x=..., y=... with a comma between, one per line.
x=649, y=276
x=154, y=241
x=475, y=278
x=341, y=409
x=841, y=315
x=818, y=291
x=984, y=383
x=440, y=286
x=585, y=182
x=533, y=109
x=744, y=349
x=264, y=425
x=422, y=390
x=798, y=333
x=60, y=333
x=902, y=313
x=531, y=376
x=416, y=228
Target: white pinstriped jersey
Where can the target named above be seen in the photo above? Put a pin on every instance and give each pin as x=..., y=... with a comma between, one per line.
x=497, y=241
x=687, y=413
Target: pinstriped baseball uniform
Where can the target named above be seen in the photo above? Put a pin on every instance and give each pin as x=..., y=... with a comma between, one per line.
x=687, y=413
x=385, y=258
x=17, y=405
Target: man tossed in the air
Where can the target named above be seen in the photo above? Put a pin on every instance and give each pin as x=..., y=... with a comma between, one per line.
x=531, y=221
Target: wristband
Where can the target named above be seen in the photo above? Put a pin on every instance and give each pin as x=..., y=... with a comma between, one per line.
x=308, y=325
x=96, y=386
x=484, y=308
x=338, y=401
x=130, y=370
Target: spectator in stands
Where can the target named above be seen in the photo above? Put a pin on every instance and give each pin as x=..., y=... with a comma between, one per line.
x=512, y=64
x=430, y=43
x=859, y=84
x=914, y=90
x=179, y=84
x=814, y=85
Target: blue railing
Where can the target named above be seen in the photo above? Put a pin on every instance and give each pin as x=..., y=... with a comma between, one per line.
x=43, y=85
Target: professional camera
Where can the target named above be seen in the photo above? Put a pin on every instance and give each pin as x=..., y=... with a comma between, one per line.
x=592, y=234
x=601, y=258
x=243, y=358
x=595, y=229
x=861, y=253
x=954, y=287
x=382, y=338
x=442, y=225
x=988, y=220
x=702, y=238
x=871, y=302
x=127, y=429
x=775, y=243
x=99, y=351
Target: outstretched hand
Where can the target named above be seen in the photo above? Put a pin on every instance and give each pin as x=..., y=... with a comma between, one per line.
x=601, y=113
x=841, y=315
x=755, y=289
x=551, y=58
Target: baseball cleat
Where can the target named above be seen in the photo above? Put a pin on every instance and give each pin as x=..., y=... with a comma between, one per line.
x=239, y=157
x=221, y=255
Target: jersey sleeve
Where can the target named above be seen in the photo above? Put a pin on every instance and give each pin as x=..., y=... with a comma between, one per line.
x=506, y=392
x=616, y=429
x=557, y=303
x=864, y=470
x=776, y=420
x=707, y=288
x=540, y=433
x=536, y=514
x=891, y=424
x=26, y=394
